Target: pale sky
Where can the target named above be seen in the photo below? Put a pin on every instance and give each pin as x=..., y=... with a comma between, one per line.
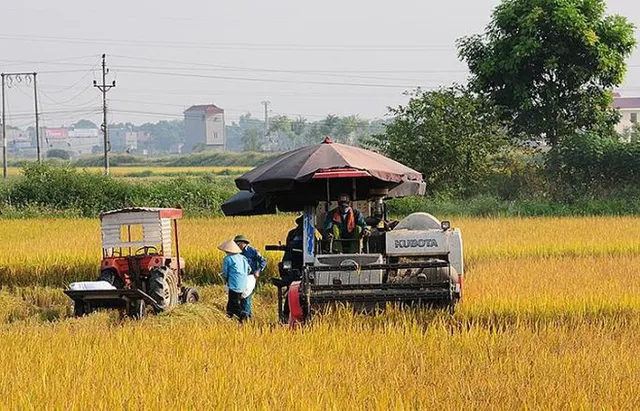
x=340, y=57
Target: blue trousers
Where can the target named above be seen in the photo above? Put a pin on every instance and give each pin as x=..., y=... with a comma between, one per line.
x=246, y=304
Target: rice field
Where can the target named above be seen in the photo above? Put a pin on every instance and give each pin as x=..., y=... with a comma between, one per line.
x=550, y=319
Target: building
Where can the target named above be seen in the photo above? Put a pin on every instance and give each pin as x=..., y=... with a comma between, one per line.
x=76, y=141
x=204, y=127
x=629, y=109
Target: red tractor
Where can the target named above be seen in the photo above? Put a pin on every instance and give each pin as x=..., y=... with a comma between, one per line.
x=140, y=266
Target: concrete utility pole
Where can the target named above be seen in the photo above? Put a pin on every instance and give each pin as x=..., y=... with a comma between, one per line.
x=4, y=136
x=20, y=77
x=104, y=88
x=266, y=118
x=35, y=100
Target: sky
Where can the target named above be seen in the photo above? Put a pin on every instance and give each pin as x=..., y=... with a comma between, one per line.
x=306, y=58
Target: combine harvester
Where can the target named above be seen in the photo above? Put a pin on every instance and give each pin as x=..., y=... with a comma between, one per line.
x=140, y=266
x=417, y=263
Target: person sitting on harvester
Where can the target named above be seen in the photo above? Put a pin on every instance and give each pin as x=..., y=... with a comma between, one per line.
x=345, y=223
x=257, y=262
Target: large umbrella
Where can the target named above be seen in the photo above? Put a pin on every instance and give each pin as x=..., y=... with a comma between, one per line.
x=306, y=174
x=248, y=203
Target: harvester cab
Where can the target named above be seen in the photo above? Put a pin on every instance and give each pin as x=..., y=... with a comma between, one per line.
x=416, y=261
x=141, y=264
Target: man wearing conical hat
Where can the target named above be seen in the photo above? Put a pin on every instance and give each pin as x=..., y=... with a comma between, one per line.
x=235, y=269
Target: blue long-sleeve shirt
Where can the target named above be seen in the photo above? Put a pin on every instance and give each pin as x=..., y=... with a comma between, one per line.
x=256, y=260
x=235, y=269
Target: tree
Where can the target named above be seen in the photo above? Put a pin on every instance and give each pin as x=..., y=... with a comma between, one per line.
x=251, y=140
x=58, y=153
x=85, y=124
x=550, y=65
x=447, y=134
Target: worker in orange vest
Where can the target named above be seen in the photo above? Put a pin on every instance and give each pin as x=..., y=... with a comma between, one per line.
x=345, y=223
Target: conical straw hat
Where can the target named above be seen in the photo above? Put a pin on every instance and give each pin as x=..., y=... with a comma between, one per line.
x=229, y=247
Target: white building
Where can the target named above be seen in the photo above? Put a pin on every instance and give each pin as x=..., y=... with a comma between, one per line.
x=629, y=108
x=204, y=125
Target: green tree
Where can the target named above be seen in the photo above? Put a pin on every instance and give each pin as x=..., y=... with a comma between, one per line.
x=82, y=124
x=251, y=140
x=447, y=134
x=550, y=65
x=58, y=153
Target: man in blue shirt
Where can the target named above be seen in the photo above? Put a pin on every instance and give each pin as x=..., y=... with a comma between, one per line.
x=235, y=269
x=257, y=262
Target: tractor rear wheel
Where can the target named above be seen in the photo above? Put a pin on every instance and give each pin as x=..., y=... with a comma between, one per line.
x=174, y=291
x=163, y=287
x=159, y=288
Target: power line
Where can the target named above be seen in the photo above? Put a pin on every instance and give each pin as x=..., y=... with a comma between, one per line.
x=239, y=45
x=253, y=79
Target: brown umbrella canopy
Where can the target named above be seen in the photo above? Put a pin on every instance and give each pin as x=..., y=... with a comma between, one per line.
x=294, y=170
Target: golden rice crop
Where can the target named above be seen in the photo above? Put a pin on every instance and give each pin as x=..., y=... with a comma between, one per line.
x=550, y=319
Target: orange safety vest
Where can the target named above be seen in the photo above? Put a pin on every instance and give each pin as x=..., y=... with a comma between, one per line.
x=351, y=219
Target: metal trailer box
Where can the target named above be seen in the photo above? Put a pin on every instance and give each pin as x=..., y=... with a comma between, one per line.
x=354, y=276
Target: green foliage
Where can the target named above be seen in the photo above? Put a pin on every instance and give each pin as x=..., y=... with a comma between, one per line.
x=85, y=124
x=448, y=135
x=250, y=140
x=205, y=159
x=489, y=206
x=550, y=65
x=59, y=153
x=49, y=190
x=587, y=165
x=165, y=134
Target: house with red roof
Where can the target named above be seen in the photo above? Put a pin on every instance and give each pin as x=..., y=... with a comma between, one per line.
x=204, y=127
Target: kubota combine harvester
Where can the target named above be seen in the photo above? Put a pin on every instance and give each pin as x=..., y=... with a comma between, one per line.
x=141, y=265
x=418, y=262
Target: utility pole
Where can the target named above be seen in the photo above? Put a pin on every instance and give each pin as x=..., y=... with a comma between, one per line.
x=35, y=99
x=4, y=136
x=266, y=118
x=104, y=88
x=20, y=77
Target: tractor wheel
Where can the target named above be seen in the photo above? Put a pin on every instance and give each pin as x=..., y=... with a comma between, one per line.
x=159, y=288
x=79, y=309
x=190, y=295
x=174, y=291
x=137, y=309
x=111, y=277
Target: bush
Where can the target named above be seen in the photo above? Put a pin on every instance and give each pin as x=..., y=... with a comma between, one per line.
x=59, y=153
x=48, y=188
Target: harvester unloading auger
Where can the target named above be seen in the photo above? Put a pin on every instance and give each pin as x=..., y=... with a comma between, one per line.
x=417, y=262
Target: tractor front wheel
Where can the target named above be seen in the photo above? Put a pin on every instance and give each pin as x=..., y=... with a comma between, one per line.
x=79, y=309
x=190, y=295
x=137, y=309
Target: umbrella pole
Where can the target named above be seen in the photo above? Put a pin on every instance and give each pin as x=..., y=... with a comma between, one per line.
x=328, y=197
x=353, y=189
